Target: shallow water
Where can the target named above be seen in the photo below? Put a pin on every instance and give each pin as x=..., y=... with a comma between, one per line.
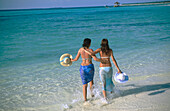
x=32, y=41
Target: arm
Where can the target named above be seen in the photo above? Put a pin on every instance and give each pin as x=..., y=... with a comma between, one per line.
x=89, y=52
x=115, y=63
x=77, y=57
x=92, y=53
x=97, y=59
x=100, y=60
x=97, y=51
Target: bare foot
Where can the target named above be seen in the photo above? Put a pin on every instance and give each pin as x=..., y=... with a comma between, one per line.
x=105, y=101
x=86, y=103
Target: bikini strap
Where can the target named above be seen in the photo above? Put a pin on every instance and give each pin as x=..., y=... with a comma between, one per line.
x=105, y=57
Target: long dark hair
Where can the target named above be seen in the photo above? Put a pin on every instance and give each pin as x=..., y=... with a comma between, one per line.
x=86, y=42
x=105, y=46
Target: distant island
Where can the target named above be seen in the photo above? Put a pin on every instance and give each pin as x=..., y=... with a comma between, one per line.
x=145, y=3
x=117, y=4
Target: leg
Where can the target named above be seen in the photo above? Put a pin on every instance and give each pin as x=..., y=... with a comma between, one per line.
x=105, y=100
x=85, y=92
x=91, y=88
x=105, y=96
x=104, y=92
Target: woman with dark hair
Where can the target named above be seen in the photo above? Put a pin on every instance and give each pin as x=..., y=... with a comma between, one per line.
x=86, y=68
x=105, y=70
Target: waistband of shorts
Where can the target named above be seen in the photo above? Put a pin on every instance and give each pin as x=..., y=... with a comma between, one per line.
x=87, y=65
x=105, y=67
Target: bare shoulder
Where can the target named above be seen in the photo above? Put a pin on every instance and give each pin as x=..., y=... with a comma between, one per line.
x=111, y=51
x=91, y=50
x=80, y=49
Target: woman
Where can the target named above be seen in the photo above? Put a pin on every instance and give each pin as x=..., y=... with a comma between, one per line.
x=105, y=70
x=86, y=68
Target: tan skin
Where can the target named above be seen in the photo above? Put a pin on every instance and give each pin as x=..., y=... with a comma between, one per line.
x=87, y=62
x=107, y=63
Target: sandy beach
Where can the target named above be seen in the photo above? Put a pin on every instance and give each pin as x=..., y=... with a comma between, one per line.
x=143, y=96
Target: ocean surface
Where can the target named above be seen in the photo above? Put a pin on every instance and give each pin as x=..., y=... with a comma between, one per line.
x=32, y=41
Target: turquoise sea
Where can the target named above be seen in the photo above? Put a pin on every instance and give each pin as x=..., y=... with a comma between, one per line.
x=32, y=41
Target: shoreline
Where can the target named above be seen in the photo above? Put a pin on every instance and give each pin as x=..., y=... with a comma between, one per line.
x=133, y=95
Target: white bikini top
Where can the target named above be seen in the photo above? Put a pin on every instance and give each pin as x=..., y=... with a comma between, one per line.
x=105, y=57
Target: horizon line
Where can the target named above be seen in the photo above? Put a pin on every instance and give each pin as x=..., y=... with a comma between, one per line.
x=74, y=7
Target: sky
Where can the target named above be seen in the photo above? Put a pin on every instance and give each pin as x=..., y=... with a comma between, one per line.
x=27, y=4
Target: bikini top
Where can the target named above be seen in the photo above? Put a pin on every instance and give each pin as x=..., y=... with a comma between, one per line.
x=105, y=57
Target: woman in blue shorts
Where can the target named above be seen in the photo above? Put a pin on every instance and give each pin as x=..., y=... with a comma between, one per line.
x=87, y=67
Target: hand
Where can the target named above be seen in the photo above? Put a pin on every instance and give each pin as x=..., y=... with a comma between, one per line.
x=71, y=59
x=119, y=71
x=104, y=61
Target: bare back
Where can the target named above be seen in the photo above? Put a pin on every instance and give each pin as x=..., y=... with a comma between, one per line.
x=86, y=58
x=105, y=57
